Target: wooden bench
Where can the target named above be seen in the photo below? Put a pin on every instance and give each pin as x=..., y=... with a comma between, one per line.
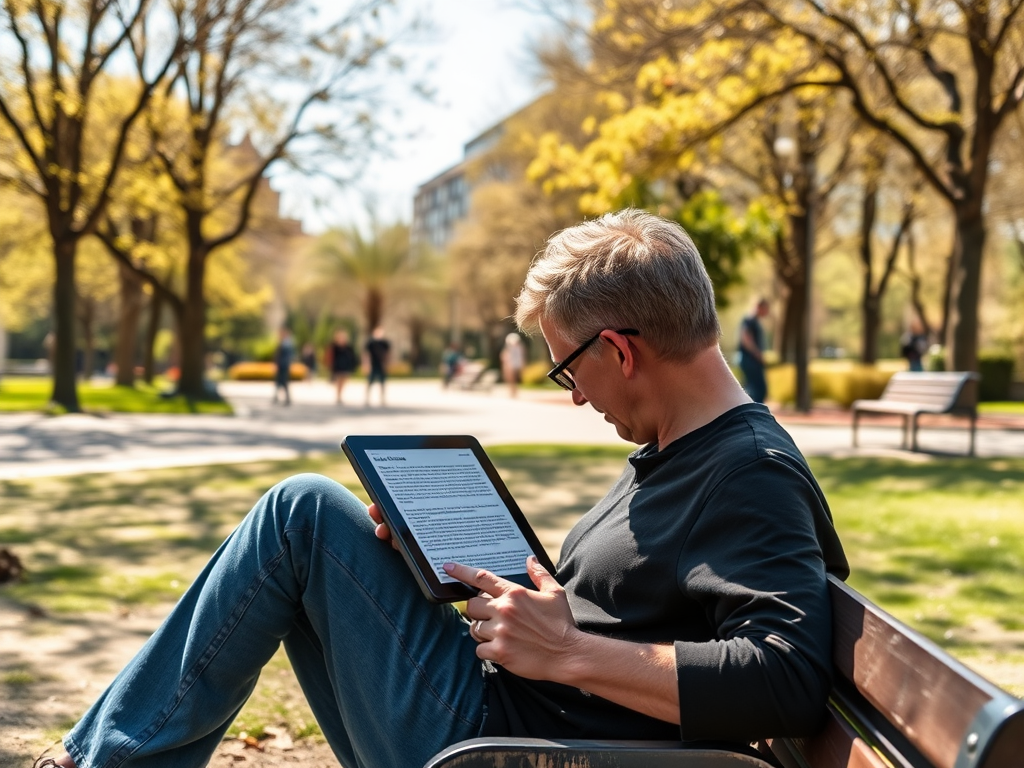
x=898, y=701
x=474, y=374
x=909, y=394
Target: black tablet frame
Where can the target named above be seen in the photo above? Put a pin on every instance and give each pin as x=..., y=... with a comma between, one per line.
x=355, y=448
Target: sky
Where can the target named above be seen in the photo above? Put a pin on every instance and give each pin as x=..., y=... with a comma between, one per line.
x=481, y=72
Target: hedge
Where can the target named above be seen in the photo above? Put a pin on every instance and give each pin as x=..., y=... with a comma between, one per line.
x=264, y=372
x=840, y=382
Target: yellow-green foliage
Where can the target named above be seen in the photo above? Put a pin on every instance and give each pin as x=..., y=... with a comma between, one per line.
x=264, y=372
x=536, y=373
x=840, y=381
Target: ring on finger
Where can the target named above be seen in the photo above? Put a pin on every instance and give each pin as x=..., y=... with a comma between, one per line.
x=474, y=629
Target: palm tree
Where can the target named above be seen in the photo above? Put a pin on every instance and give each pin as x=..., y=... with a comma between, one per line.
x=381, y=263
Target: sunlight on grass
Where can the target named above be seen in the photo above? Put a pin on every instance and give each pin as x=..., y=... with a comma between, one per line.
x=939, y=544
x=33, y=394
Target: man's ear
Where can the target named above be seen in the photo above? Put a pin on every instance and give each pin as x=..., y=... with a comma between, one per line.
x=626, y=351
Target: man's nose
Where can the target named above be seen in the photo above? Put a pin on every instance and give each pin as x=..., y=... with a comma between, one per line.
x=578, y=398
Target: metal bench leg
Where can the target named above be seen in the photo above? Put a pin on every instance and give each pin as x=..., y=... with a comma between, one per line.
x=974, y=420
x=913, y=432
x=856, y=419
x=906, y=431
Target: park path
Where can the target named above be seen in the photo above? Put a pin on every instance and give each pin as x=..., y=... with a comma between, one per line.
x=35, y=445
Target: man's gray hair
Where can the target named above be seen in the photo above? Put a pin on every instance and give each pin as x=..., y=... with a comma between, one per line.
x=629, y=269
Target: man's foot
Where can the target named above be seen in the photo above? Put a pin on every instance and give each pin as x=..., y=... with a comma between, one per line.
x=61, y=761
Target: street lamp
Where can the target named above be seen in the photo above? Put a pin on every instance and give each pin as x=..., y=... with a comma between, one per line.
x=786, y=150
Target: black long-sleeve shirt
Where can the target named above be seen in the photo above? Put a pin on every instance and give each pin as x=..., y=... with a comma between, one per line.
x=718, y=544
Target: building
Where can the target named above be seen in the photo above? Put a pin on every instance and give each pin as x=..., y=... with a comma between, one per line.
x=443, y=201
x=438, y=205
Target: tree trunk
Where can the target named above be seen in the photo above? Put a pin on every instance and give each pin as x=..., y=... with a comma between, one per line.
x=87, y=314
x=156, y=306
x=870, y=320
x=962, y=334
x=65, y=388
x=791, y=319
x=417, y=327
x=192, y=338
x=128, y=326
x=869, y=301
x=374, y=307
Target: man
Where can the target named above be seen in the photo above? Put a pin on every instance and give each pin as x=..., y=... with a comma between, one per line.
x=914, y=345
x=690, y=602
x=375, y=361
x=283, y=356
x=752, y=352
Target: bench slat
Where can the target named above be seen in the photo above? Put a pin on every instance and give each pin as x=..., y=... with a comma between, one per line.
x=929, y=697
x=836, y=746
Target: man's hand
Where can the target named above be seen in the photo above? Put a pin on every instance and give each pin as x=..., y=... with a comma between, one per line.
x=382, y=531
x=531, y=634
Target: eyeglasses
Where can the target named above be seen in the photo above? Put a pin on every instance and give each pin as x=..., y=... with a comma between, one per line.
x=561, y=374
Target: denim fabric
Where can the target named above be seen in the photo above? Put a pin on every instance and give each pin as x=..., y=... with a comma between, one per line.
x=391, y=678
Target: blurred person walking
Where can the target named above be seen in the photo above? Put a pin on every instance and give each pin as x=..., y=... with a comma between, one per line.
x=375, y=361
x=309, y=360
x=342, y=362
x=451, y=362
x=752, y=352
x=914, y=345
x=283, y=356
x=513, y=360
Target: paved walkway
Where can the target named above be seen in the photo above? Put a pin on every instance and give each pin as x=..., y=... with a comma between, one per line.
x=34, y=445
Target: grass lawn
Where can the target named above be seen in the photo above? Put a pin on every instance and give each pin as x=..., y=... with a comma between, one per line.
x=939, y=543
x=33, y=394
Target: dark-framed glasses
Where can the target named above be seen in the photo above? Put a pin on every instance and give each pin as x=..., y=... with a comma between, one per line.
x=561, y=374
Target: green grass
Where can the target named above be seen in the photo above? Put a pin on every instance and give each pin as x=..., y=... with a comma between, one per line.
x=937, y=542
x=33, y=394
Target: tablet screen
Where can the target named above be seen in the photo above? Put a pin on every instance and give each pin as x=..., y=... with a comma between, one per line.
x=445, y=503
x=452, y=509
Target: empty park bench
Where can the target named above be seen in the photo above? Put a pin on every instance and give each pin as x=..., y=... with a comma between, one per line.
x=474, y=374
x=898, y=701
x=909, y=394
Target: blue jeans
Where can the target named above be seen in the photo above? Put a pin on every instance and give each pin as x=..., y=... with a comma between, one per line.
x=391, y=678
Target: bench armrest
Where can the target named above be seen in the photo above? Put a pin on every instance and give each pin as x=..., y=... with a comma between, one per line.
x=498, y=752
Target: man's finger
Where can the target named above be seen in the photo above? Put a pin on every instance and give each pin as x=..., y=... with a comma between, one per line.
x=479, y=578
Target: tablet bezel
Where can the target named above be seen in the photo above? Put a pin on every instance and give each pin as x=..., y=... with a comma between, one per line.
x=355, y=448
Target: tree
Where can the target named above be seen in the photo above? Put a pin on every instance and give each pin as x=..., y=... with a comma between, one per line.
x=278, y=70
x=47, y=86
x=380, y=264
x=874, y=287
x=507, y=225
x=940, y=80
x=26, y=272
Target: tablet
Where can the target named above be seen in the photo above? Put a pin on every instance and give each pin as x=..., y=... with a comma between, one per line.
x=445, y=503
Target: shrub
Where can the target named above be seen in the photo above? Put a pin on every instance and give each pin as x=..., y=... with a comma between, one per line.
x=400, y=368
x=536, y=373
x=840, y=382
x=264, y=372
x=996, y=369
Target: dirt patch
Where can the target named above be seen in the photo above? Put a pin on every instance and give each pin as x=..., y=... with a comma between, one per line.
x=54, y=666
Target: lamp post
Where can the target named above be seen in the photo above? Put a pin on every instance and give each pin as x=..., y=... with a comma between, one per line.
x=786, y=149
